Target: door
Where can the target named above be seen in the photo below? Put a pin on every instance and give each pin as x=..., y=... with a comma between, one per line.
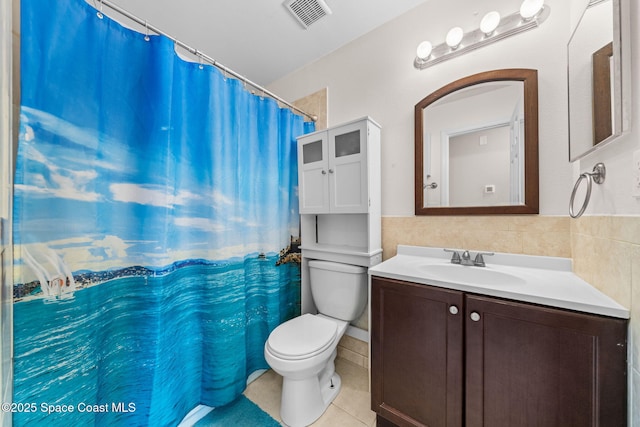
x=516, y=155
x=536, y=366
x=416, y=353
x=313, y=167
x=348, y=168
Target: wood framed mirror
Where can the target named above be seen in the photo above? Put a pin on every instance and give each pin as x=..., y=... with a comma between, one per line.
x=476, y=146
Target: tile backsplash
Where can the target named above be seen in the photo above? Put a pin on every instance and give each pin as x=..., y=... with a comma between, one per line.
x=530, y=235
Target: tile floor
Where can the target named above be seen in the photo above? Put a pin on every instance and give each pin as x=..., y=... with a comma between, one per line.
x=349, y=409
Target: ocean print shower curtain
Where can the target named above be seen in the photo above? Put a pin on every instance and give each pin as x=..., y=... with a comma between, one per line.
x=155, y=221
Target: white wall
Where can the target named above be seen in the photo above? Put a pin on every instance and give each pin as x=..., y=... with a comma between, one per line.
x=473, y=166
x=374, y=75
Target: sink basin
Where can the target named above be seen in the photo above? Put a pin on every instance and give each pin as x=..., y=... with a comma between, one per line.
x=481, y=276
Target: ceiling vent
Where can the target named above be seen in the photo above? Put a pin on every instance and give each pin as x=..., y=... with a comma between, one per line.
x=307, y=11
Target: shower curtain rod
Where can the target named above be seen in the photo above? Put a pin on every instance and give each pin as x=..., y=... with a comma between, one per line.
x=200, y=55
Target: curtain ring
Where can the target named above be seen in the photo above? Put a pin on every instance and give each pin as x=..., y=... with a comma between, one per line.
x=99, y=13
x=597, y=175
x=146, y=31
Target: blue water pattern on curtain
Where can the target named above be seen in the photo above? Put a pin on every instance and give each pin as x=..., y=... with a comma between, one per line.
x=155, y=226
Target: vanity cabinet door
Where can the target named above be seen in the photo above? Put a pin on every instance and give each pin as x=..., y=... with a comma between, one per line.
x=416, y=354
x=528, y=365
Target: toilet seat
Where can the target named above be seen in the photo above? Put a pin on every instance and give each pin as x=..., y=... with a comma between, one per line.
x=302, y=337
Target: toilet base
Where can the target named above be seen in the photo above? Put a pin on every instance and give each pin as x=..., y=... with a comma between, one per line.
x=304, y=401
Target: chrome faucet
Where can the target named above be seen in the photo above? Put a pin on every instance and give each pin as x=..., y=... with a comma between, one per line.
x=479, y=260
x=465, y=258
x=455, y=257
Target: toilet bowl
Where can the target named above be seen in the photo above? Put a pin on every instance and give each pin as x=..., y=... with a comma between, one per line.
x=303, y=349
x=306, y=363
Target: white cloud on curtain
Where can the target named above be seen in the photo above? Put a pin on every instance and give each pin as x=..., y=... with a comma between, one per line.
x=153, y=198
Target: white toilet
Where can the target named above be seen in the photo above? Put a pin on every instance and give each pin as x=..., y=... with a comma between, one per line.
x=303, y=349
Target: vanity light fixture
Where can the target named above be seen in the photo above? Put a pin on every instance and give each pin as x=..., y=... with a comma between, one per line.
x=454, y=37
x=530, y=8
x=489, y=23
x=424, y=50
x=493, y=27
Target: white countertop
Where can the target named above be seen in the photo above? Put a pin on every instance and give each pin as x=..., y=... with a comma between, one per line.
x=540, y=280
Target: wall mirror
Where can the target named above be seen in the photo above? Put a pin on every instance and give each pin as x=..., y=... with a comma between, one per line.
x=594, y=78
x=476, y=146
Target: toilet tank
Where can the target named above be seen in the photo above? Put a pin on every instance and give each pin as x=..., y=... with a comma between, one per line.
x=338, y=290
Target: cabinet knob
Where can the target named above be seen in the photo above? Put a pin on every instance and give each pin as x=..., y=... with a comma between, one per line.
x=330, y=170
x=453, y=309
x=324, y=172
x=475, y=316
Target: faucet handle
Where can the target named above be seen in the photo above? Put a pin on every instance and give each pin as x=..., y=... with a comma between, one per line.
x=479, y=260
x=455, y=258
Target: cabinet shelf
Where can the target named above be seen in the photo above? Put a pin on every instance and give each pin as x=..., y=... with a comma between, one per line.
x=356, y=255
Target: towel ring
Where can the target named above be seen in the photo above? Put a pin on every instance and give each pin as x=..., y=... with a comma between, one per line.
x=597, y=175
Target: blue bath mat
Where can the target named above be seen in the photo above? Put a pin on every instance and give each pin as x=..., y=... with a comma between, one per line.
x=240, y=413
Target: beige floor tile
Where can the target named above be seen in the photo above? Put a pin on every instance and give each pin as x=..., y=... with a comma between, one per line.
x=350, y=408
x=265, y=392
x=354, y=398
x=337, y=417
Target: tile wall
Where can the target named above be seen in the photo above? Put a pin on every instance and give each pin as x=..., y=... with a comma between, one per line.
x=530, y=235
x=354, y=350
x=315, y=103
x=606, y=253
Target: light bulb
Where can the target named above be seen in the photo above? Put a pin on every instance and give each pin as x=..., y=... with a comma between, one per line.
x=530, y=8
x=454, y=37
x=424, y=50
x=490, y=22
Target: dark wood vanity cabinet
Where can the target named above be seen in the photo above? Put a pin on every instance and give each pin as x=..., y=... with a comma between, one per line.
x=442, y=357
x=416, y=354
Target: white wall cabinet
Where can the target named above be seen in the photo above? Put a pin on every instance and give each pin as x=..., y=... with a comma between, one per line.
x=335, y=168
x=339, y=191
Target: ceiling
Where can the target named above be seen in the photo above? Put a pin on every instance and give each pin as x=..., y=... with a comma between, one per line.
x=260, y=39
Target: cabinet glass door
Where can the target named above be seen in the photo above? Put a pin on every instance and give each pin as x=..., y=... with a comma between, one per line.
x=312, y=152
x=347, y=144
x=313, y=170
x=348, y=168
